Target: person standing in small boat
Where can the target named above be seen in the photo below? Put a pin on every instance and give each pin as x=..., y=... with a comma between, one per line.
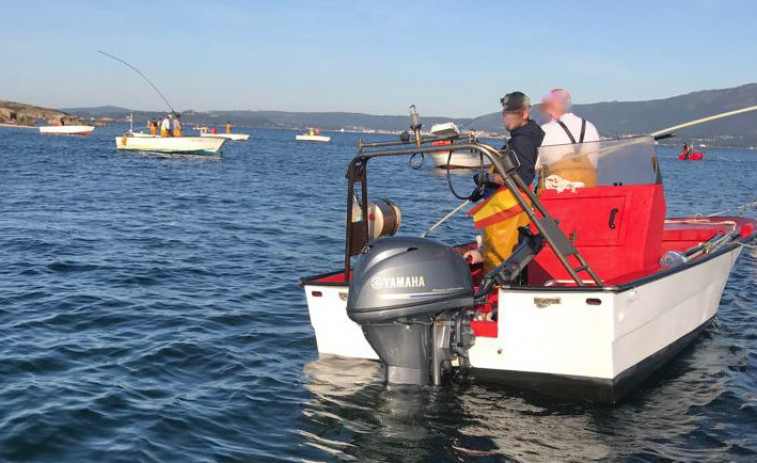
x=500, y=215
x=165, y=126
x=687, y=149
x=228, y=127
x=177, y=125
x=565, y=128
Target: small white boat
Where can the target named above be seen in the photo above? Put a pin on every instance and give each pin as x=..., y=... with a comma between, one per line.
x=81, y=130
x=458, y=160
x=227, y=136
x=313, y=135
x=169, y=145
x=313, y=138
x=454, y=159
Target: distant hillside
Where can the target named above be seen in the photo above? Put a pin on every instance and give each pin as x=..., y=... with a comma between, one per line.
x=274, y=119
x=15, y=113
x=613, y=118
x=636, y=117
x=98, y=111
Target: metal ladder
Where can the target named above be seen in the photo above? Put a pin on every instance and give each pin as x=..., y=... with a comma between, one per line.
x=548, y=227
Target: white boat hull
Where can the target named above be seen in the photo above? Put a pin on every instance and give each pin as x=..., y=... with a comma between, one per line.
x=228, y=136
x=612, y=344
x=81, y=130
x=313, y=138
x=601, y=344
x=335, y=333
x=170, y=145
x=457, y=160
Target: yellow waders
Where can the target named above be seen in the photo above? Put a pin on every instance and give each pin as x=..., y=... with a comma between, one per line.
x=499, y=217
x=499, y=240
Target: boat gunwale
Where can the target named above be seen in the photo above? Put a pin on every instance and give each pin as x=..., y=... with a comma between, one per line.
x=311, y=280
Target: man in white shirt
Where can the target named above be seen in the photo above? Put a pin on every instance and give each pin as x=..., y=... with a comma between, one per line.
x=560, y=157
x=165, y=126
x=565, y=127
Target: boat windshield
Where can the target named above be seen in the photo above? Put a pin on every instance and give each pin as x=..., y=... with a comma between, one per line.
x=628, y=161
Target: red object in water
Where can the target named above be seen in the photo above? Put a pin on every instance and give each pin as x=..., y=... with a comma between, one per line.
x=696, y=156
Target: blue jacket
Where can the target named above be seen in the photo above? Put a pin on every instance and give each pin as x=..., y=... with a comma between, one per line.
x=525, y=142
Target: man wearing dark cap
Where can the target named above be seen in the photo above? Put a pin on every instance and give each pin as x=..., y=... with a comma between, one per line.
x=500, y=215
x=525, y=134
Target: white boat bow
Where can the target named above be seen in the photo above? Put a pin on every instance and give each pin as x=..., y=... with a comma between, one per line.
x=81, y=130
x=228, y=136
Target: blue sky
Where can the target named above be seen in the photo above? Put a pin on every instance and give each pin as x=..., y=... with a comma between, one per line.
x=453, y=58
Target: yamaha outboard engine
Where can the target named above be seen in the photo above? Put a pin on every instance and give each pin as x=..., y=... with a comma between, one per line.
x=411, y=296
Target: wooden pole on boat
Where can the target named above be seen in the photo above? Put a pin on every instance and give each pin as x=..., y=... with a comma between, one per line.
x=715, y=117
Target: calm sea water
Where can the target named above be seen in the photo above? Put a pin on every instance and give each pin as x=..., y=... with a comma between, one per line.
x=150, y=311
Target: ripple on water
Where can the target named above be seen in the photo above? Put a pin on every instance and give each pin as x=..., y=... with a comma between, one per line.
x=150, y=311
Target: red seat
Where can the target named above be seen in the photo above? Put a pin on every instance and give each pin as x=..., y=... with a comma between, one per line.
x=618, y=230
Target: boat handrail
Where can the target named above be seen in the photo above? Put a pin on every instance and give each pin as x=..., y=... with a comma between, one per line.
x=502, y=161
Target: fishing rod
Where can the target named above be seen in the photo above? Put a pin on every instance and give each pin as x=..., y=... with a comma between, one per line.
x=664, y=133
x=740, y=209
x=141, y=75
x=668, y=132
x=446, y=217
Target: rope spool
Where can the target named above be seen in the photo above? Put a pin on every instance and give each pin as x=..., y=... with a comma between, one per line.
x=384, y=218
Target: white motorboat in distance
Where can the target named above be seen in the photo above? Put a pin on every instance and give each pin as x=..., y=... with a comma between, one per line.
x=81, y=130
x=170, y=145
x=462, y=159
x=227, y=136
x=458, y=160
x=313, y=135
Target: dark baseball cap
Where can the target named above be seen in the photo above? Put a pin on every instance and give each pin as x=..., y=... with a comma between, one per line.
x=515, y=101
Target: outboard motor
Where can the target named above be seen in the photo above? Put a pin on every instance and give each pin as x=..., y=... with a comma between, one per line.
x=411, y=297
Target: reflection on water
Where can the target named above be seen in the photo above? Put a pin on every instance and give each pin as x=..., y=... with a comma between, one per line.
x=353, y=417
